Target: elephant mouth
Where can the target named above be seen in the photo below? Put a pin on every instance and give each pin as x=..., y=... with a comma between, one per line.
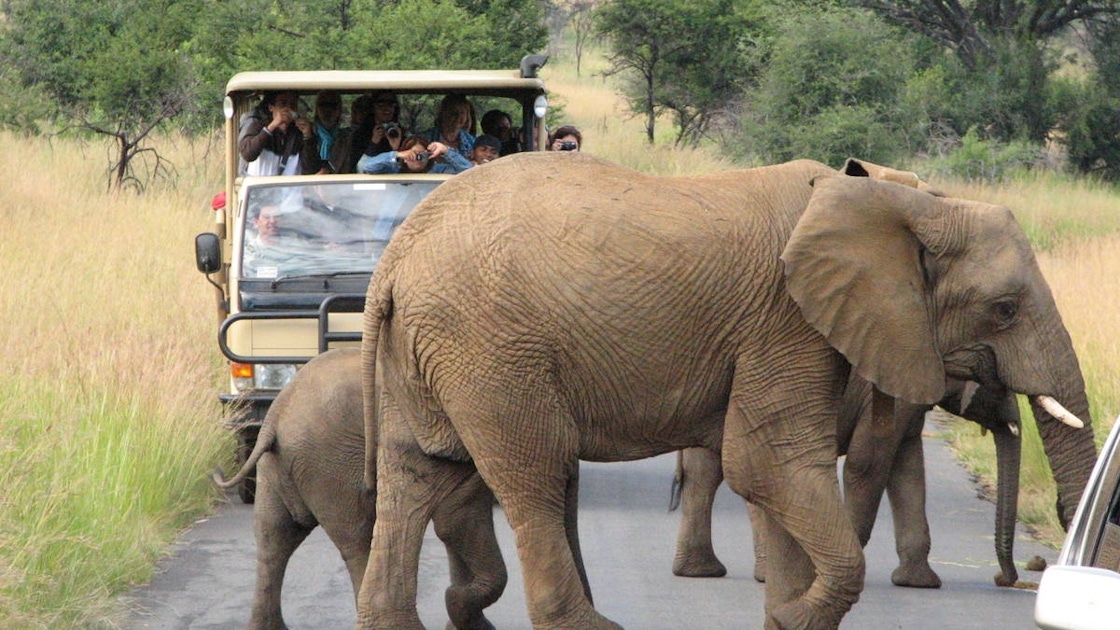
x=976, y=363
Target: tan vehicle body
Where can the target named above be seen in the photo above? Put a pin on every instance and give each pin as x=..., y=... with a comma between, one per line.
x=270, y=324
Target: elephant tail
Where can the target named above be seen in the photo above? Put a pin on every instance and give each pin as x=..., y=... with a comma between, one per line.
x=378, y=310
x=678, y=483
x=266, y=438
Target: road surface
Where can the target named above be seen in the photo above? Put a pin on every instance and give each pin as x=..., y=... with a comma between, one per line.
x=628, y=538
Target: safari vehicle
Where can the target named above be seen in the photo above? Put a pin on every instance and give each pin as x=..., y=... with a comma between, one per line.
x=277, y=314
x=1081, y=591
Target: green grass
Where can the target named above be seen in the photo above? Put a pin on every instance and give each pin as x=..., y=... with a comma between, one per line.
x=97, y=484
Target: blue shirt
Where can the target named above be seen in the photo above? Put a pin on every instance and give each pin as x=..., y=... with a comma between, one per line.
x=466, y=140
x=386, y=163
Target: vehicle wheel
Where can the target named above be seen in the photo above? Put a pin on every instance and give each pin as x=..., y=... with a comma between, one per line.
x=247, y=490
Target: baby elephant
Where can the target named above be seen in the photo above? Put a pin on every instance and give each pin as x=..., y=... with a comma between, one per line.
x=309, y=458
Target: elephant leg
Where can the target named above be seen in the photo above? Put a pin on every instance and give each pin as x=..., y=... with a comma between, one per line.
x=465, y=524
x=571, y=527
x=700, y=476
x=870, y=457
x=906, y=490
x=535, y=481
x=346, y=513
x=410, y=485
x=758, y=535
x=787, y=584
x=779, y=452
x=278, y=535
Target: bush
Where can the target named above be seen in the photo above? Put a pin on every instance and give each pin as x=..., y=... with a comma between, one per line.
x=829, y=91
x=987, y=161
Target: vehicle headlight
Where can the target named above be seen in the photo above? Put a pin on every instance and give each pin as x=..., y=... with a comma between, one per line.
x=261, y=376
x=273, y=376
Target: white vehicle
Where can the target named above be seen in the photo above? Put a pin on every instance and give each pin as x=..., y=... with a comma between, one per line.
x=1081, y=591
x=283, y=299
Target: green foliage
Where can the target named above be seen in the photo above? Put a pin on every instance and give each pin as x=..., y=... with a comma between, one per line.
x=831, y=90
x=986, y=161
x=1090, y=129
x=124, y=67
x=688, y=59
x=1089, y=118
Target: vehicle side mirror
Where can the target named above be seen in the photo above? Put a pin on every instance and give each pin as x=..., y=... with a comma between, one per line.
x=208, y=252
x=1077, y=597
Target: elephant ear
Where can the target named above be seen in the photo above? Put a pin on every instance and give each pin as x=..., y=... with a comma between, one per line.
x=854, y=265
x=862, y=168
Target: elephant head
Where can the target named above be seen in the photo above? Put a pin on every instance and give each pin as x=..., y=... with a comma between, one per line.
x=915, y=288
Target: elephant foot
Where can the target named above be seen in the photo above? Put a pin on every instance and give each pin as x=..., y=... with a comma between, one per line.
x=760, y=572
x=1004, y=579
x=916, y=576
x=800, y=616
x=698, y=564
x=464, y=607
x=478, y=623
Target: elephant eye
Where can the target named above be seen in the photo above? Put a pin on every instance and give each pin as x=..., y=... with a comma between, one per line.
x=1006, y=310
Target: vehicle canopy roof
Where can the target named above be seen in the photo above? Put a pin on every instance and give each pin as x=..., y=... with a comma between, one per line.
x=403, y=81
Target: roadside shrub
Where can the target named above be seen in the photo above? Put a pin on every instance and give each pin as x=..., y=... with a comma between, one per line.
x=986, y=161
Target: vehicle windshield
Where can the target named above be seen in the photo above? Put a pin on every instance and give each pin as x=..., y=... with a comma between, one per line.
x=311, y=229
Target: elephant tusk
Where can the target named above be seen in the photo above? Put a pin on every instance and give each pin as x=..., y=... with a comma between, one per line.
x=1059, y=412
x=1014, y=428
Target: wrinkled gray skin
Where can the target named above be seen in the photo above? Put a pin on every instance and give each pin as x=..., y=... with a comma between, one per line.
x=871, y=467
x=309, y=458
x=608, y=315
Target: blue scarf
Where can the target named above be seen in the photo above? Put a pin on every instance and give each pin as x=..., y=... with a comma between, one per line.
x=326, y=139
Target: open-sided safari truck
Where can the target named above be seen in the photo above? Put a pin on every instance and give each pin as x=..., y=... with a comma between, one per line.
x=277, y=313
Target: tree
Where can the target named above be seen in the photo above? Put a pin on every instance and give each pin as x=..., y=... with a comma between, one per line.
x=823, y=96
x=1002, y=45
x=690, y=59
x=111, y=68
x=969, y=28
x=1090, y=109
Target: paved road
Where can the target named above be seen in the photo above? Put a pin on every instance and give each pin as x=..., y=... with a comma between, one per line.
x=628, y=538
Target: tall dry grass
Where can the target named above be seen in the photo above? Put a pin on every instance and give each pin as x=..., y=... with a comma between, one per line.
x=108, y=415
x=609, y=130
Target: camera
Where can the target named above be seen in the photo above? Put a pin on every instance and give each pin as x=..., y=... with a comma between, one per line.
x=421, y=157
x=568, y=145
x=392, y=129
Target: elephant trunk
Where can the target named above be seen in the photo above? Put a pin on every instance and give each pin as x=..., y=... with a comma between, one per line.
x=1071, y=451
x=1053, y=370
x=1008, y=457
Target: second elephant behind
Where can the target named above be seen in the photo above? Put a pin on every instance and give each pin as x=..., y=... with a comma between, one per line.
x=881, y=456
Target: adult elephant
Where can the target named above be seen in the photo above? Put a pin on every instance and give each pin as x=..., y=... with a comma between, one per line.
x=550, y=307
x=890, y=458
x=309, y=457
